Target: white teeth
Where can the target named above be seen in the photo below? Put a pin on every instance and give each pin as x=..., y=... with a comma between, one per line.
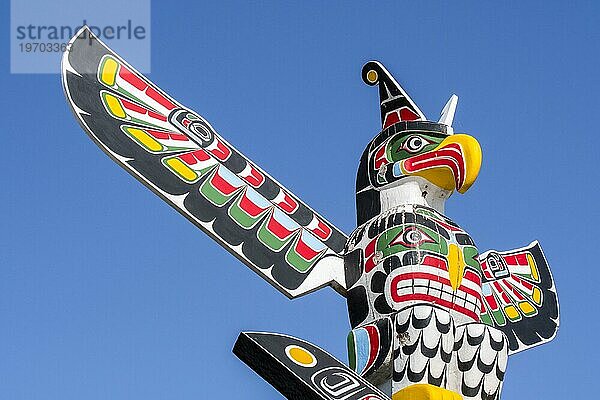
x=472, y=299
x=435, y=292
x=404, y=291
x=405, y=283
x=420, y=289
x=459, y=301
x=436, y=285
x=421, y=282
x=447, y=296
x=436, y=289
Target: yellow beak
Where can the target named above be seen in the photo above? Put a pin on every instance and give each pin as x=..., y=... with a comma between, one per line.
x=453, y=165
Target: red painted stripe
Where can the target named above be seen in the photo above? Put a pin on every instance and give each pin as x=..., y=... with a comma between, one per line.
x=277, y=229
x=255, y=178
x=131, y=78
x=157, y=116
x=289, y=205
x=470, y=291
x=178, y=137
x=373, y=344
x=512, y=260
x=249, y=207
x=525, y=284
x=501, y=292
x=370, y=249
x=491, y=300
x=406, y=114
x=322, y=231
x=167, y=135
x=446, y=156
x=133, y=107
x=486, y=271
x=483, y=308
x=418, y=275
x=380, y=158
x=305, y=251
x=158, y=134
x=369, y=264
x=434, y=160
x=222, y=185
x=435, y=262
x=222, y=152
x=518, y=295
x=159, y=98
x=391, y=119
x=193, y=157
x=473, y=277
x=521, y=259
x=139, y=84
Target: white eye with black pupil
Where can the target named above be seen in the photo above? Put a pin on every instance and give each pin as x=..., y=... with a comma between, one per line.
x=414, y=144
x=413, y=236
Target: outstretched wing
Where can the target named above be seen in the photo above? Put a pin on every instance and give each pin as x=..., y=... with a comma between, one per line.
x=178, y=155
x=519, y=296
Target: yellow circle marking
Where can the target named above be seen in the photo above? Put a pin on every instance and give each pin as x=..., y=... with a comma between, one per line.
x=300, y=356
x=372, y=76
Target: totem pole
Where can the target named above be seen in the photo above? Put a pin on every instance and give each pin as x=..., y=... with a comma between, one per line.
x=431, y=317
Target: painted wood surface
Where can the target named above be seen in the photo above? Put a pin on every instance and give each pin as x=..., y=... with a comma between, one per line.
x=431, y=317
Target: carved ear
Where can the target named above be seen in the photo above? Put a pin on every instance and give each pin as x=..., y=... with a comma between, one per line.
x=395, y=104
x=447, y=116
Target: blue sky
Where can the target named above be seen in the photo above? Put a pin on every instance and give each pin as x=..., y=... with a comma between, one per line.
x=106, y=292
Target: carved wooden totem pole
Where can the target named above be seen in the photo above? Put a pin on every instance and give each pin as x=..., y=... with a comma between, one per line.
x=431, y=317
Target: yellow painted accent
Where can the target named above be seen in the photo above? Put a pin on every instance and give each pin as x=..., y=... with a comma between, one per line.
x=534, y=271
x=537, y=296
x=301, y=356
x=109, y=72
x=526, y=307
x=456, y=265
x=183, y=170
x=511, y=312
x=372, y=76
x=114, y=106
x=148, y=141
x=424, y=391
x=442, y=176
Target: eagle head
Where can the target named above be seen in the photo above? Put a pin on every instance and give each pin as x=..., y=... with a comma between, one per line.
x=411, y=148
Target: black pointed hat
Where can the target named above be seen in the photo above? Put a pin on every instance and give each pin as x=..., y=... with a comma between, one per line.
x=396, y=105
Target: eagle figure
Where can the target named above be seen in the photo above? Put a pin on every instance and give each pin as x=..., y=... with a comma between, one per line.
x=431, y=316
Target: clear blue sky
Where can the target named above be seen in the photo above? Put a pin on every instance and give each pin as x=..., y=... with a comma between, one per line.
x=108, y=293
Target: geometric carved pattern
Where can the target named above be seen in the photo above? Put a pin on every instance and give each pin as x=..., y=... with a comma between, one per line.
x=177, y=154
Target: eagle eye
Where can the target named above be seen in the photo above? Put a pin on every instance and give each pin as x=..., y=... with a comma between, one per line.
x=414, y=144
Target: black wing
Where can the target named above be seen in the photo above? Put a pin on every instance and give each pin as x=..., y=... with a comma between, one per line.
x=178, y=155
x=519, y=296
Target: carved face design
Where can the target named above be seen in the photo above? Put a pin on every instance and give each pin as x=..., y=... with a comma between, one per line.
x=450, y=162
x=417, y=255
x=497, y=265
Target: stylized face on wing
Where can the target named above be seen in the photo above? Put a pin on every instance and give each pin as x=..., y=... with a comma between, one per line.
x=451, y=162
